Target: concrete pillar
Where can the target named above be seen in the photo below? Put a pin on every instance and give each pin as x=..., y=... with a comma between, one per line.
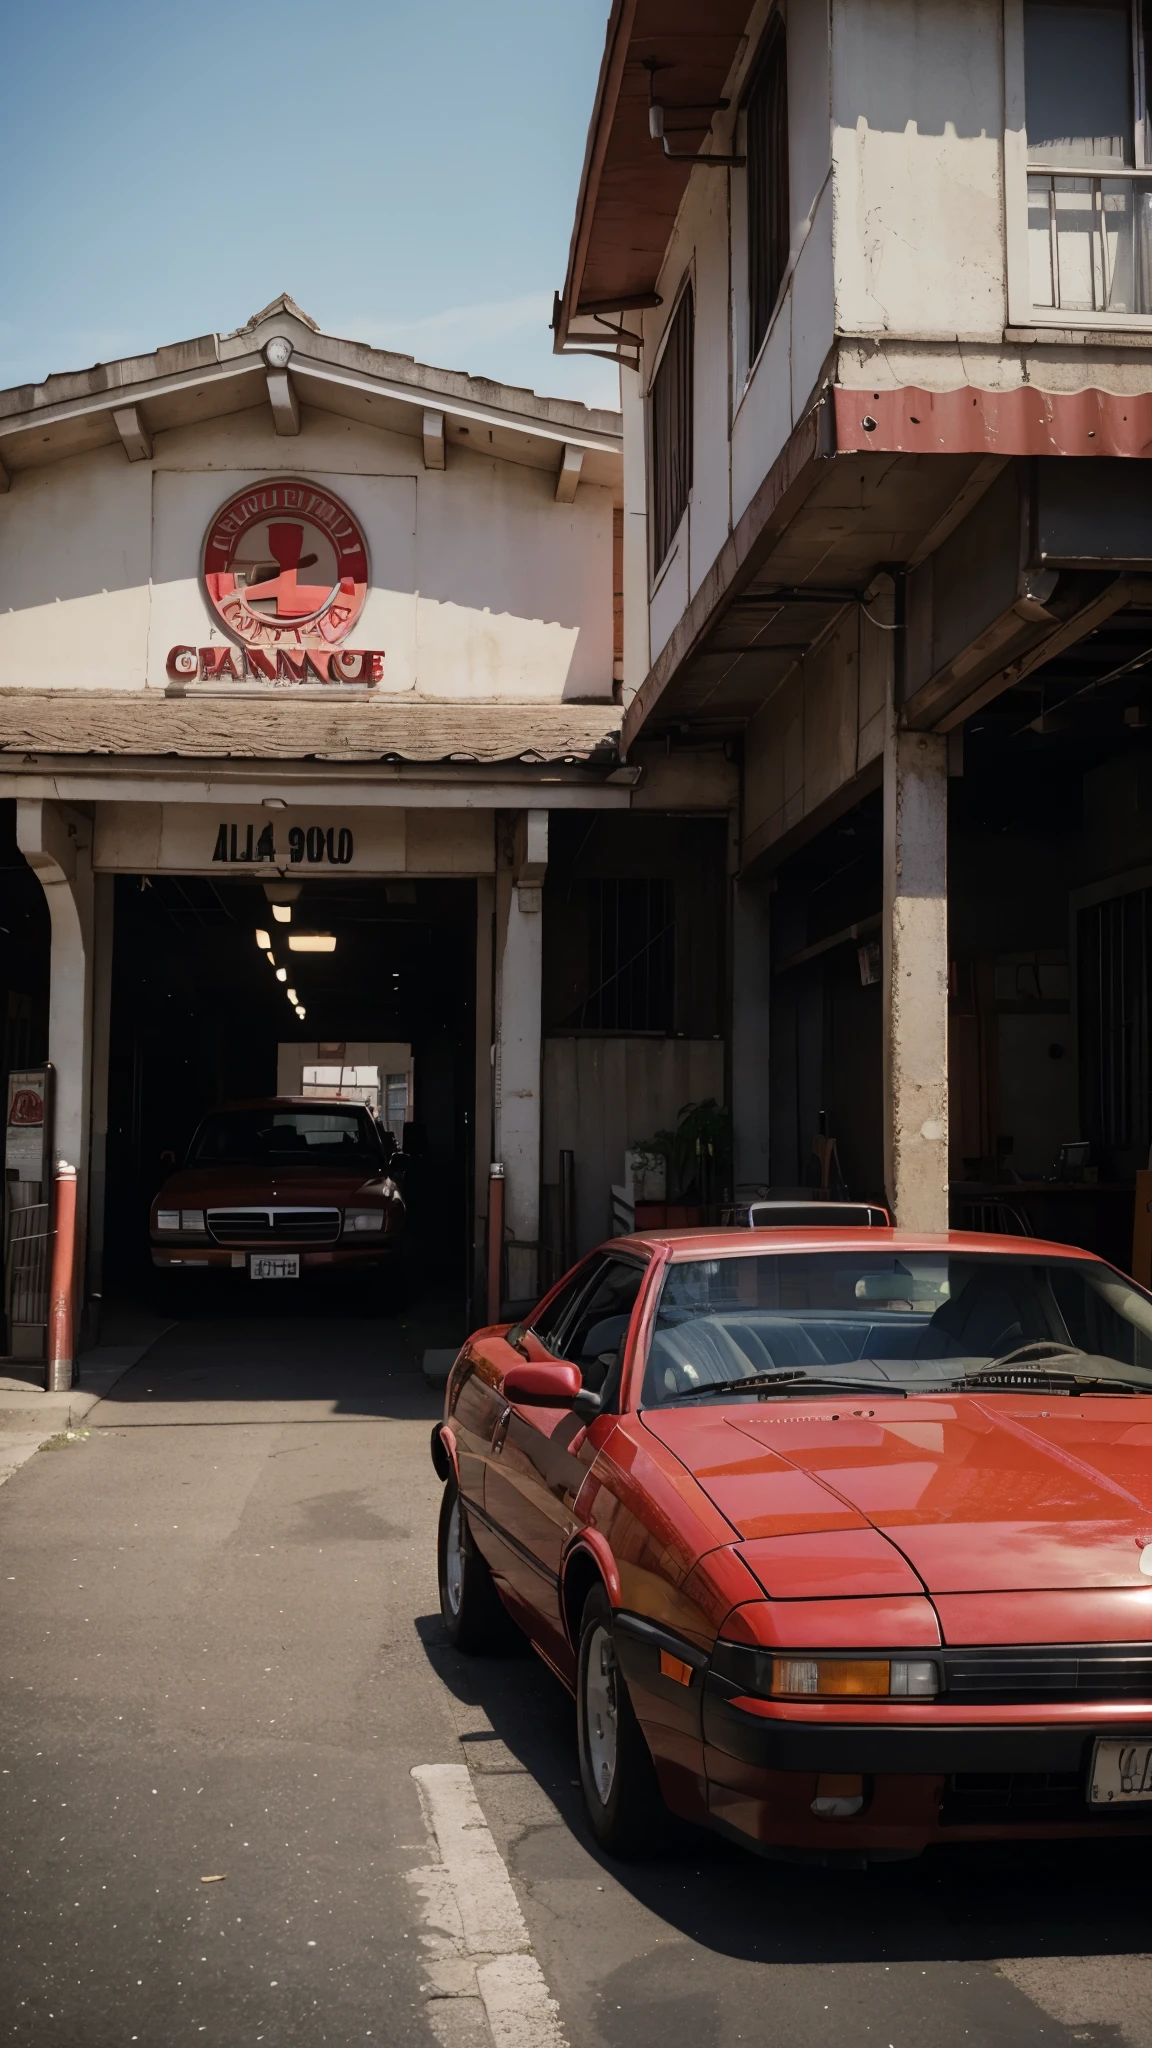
x=520, y=929
x=103, y=912
x=56, y=841
x=484, y=1136
x=751, y=991
x=915, y=969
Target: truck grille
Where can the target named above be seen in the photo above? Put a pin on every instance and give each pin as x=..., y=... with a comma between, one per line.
x=274, y=1226
x=1073, y=1672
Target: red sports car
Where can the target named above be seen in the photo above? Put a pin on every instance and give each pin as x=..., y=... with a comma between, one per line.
x=842, y=1539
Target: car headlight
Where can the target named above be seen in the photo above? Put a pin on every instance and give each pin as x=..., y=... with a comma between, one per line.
x=191, y=1219
x=167, y=1219
x=854, y=1678
x=803, y=1676
x=363, y=1219
x=180, y=1219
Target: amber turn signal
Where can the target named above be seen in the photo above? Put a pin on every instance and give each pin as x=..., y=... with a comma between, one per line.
x=876, y=1678
x=675, y=1668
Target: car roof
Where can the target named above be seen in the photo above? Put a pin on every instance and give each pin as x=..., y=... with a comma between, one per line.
x=737, y=1240
x=290, y=1102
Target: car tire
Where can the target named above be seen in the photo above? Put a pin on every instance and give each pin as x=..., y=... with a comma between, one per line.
x=475, y=1618
x=626, y=1812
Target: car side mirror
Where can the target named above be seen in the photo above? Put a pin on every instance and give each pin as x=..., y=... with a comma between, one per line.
x=543, y=1386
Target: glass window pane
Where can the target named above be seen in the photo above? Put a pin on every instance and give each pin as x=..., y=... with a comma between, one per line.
x=1077, y=82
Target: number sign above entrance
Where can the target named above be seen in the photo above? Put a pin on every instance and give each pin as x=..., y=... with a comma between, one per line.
x=309, y=841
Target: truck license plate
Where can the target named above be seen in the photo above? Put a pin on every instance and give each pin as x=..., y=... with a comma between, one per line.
x=1121, y=1774
x=274, y=1266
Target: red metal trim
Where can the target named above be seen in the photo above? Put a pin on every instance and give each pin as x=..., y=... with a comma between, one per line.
x=968, y=422
x=601, y=1554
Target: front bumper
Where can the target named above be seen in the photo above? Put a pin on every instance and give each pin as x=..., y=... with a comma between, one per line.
x=384, y=1251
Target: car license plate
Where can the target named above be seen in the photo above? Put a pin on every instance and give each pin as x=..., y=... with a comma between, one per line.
x=1121, y=1774
x=274, y=1266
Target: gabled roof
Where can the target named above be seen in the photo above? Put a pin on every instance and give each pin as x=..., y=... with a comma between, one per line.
x=193, y=381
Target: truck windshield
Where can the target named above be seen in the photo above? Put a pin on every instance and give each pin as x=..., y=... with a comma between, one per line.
x=341, y=1135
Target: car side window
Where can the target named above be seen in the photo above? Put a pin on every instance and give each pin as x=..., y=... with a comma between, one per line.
x=549, y=1325
x=595, y=1338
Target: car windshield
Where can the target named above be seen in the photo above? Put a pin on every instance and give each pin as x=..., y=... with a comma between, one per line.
x=344, y=1136
x=904, y=1321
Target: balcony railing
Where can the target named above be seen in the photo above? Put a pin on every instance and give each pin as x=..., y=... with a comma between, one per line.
x=1090, y=240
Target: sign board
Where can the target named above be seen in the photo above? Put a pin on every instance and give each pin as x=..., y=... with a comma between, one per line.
x=306, y=842
x=26, y=1132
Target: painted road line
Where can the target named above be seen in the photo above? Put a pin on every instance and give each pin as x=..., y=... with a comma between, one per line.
x=479, y=1950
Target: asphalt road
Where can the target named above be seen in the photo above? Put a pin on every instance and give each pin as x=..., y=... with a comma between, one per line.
x=220, y=1657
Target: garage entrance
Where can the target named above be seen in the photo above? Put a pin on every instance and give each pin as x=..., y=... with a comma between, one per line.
x=361, y=986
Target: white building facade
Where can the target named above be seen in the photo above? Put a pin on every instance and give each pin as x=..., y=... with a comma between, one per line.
x=877, y=273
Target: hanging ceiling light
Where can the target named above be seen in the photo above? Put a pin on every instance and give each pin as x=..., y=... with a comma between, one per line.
x=300, y=1011
x=292, y=996
x=311, y=942
x=263, y=941
x=282, y=912
x=281, y=974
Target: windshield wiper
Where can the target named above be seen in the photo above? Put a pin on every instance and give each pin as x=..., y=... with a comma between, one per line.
x=1011, y=1377
x=784, y=1379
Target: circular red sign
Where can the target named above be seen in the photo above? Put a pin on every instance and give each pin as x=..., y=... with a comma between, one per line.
x=286, y=565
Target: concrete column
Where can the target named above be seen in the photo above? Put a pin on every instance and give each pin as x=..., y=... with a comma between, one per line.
x=520, y=927
x=484, y=1136
x=56, y=841
x=915, y=957
x=751, y=991
x=103, y=911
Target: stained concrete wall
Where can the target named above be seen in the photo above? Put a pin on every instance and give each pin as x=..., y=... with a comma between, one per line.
x=482, y=585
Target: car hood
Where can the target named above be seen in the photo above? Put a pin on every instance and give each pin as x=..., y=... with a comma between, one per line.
x=956, y=1495
x=198, y=1187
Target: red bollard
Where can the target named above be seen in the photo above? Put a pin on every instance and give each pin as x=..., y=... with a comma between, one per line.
x=495, y=1237
x=61, y=1360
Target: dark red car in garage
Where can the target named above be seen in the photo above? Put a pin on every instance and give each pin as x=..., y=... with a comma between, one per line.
x=280, y=1188
x=842, y=1539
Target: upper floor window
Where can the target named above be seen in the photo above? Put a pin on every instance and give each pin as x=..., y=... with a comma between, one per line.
x=672, y=430
x=1089, y=197
x=767, y=150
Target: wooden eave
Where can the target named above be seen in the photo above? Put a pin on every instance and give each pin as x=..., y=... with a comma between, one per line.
x=214, y=375
x=630, y=192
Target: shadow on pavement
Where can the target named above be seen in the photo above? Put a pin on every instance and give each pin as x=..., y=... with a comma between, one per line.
x=967, y=1903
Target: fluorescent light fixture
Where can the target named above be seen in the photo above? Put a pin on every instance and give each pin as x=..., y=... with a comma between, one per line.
x=263, y=941
x=281, y=974
x=282, y=912
x=292, y=996
x=311, y=942
x=300, y=1011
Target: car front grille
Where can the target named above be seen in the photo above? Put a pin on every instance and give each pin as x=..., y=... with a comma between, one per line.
x=1073, y=1672
x=274, y=1226
x=1029, y=1798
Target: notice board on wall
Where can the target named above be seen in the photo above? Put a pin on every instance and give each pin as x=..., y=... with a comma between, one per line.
x=26, y=1131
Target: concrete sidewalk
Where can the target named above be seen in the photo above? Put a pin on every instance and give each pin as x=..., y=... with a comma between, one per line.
x=29, y=1417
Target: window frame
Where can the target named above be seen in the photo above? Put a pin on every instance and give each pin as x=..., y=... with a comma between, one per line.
x=1021, y=312
x=686, y=296
x=772, y=53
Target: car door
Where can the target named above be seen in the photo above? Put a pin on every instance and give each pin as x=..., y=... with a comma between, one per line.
x=523, y=1576
x=537, y=1473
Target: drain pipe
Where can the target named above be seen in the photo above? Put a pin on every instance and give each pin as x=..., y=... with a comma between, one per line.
x=495, y=1237
x=61, y=1359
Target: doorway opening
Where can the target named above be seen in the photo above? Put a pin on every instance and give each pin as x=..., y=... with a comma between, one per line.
x=366, y=990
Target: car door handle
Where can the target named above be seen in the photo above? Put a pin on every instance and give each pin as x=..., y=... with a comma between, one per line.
x=500, y=1432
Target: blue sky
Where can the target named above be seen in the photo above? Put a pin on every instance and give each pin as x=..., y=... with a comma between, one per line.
x=408, y=173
